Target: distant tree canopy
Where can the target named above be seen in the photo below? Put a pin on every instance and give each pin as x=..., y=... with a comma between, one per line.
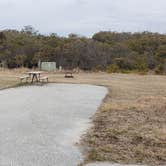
x=124, y=51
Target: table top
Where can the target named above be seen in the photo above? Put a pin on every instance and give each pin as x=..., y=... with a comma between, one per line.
x=35, y=72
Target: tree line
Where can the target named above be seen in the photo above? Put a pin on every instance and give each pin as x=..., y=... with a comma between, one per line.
x=105, y=51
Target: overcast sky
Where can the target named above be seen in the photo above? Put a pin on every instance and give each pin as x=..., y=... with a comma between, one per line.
x=84, y=17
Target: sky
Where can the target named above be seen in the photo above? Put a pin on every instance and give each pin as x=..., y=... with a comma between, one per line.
x=84, y=17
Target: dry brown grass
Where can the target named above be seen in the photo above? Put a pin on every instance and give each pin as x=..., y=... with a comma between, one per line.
x=130, y=126
x=133, y=133
x=9, y=78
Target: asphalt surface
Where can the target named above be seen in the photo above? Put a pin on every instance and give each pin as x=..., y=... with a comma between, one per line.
x=40, y=125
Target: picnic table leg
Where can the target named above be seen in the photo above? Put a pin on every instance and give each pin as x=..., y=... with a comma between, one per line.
x=26, y=79
x=37, y=80
x=39, y=77
x=33, y=76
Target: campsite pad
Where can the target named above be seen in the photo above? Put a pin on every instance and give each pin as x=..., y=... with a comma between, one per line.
x=40, y=125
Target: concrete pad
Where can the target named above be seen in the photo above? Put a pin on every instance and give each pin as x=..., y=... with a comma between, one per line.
x=39, y=125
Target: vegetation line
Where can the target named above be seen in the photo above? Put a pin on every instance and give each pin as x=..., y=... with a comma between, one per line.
x=105, y=51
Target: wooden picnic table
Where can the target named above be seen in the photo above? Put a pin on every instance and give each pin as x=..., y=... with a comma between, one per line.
x=35, y=75
x=68, y=74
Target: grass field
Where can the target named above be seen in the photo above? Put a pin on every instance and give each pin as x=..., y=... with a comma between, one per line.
x=130, y=126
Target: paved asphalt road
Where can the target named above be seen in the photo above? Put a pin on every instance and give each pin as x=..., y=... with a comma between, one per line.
x=39, y=125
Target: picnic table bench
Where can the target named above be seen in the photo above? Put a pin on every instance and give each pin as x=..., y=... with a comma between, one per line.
x=24, y=78
x=44, y=78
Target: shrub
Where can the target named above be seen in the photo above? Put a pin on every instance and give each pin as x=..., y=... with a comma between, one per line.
x=98, y=68
x=112, y=68
x=142, y=67
x=159, y=69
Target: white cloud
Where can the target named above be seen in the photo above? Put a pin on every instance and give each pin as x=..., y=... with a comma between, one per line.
x=84, y=16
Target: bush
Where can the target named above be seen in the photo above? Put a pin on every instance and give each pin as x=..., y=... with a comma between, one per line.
x=159, y=69
x=98, y=68
x=142, y=67
x=112, y=68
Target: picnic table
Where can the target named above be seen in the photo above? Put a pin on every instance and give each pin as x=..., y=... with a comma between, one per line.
x=35, y=75
x=69, y=74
